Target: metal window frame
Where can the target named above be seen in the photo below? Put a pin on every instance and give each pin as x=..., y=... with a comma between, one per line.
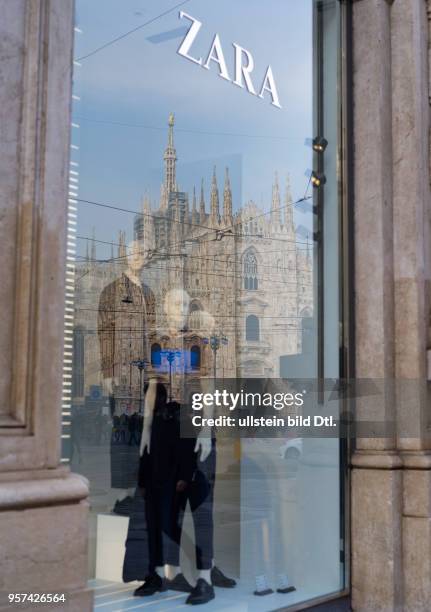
x=346, y=277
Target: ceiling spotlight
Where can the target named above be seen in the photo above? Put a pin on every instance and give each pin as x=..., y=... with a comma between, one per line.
x=318, y=179
x=320, y=144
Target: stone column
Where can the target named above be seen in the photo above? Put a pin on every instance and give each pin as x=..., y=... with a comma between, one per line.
x=43, y=508
x=411, y=210
x=376, y=476
x=391, y=529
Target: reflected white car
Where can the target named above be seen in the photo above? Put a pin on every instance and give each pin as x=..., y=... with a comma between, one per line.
x=291, y=449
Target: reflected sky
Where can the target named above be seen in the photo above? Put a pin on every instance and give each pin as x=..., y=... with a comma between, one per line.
x=128, y=89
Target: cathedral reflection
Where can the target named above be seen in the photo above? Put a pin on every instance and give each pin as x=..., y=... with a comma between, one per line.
x=243, y=267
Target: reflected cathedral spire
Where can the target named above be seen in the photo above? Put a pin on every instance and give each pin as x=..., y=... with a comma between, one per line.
x=195, y=215
x=227, y=199
x=93, y=245
x=170, y=158
x=122, y=252
x=288, y=212
x=202, y=204
x=275, y=204
x=215, y=211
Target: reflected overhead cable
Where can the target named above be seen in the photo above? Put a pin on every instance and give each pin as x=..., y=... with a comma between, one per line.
x=219, y=316
x=305, y=206
x=139, y=27
x=196, y=273
x=213, y=232
x=186, y=130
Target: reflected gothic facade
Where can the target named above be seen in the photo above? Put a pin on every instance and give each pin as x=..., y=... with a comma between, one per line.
x=246, y=269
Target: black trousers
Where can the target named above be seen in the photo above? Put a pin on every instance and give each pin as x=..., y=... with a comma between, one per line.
x=199, y=493
x=172, y=459
x=158, y=509
x=158, y=474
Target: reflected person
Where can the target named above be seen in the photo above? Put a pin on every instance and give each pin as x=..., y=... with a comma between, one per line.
x=122, y=341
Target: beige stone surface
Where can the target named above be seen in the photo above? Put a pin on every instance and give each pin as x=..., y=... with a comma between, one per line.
x=417, y=493
x=410, y=123
x=416, y=460
x=35, y=58
x=43, y=512
x=391, y=489
x=41, y=492
x=411, y=213
x=417, y=564
x=373, y=189
x=10, y=72
x=376, y=459
x=44, y=549
x=374, y=310
x=376, y=542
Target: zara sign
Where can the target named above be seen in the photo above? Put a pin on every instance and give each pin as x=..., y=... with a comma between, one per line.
x=243, y=65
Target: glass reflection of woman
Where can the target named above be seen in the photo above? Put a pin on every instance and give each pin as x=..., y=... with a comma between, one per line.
x=122, y=340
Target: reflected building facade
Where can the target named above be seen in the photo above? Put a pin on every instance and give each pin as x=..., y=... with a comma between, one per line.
x=247, y=269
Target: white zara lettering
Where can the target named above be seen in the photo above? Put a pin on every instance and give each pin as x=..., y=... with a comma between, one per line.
x=269, y=85
x=192, y=32
x=243, y=62
x=219, y=58
x=243, y=71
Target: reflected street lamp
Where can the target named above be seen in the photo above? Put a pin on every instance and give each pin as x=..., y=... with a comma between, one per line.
x=215, y=342
x=140, y=364
x=170, y=356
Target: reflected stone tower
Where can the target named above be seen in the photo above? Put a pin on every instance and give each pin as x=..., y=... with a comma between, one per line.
x=170, y=158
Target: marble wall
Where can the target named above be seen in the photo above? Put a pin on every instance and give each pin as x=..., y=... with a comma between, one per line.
x=391, y=545
x=43, y=507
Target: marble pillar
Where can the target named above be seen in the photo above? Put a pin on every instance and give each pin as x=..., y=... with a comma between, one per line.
x=43, y=507
x=391, y=546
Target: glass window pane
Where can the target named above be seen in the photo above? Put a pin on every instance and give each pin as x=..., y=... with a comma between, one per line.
x=206, y=226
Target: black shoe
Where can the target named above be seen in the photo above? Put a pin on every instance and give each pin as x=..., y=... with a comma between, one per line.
x=179, y=583
x=288, y=589
x=124, y=506
x=218, y=579
x=153, y=583
x=202, y=593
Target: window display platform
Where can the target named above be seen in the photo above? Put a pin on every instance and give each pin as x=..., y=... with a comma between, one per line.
x=118, y=597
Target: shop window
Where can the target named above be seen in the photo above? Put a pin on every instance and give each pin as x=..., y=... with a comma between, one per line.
x=214, y=228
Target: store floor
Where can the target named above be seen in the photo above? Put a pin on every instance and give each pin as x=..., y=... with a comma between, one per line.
x=118, y=597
